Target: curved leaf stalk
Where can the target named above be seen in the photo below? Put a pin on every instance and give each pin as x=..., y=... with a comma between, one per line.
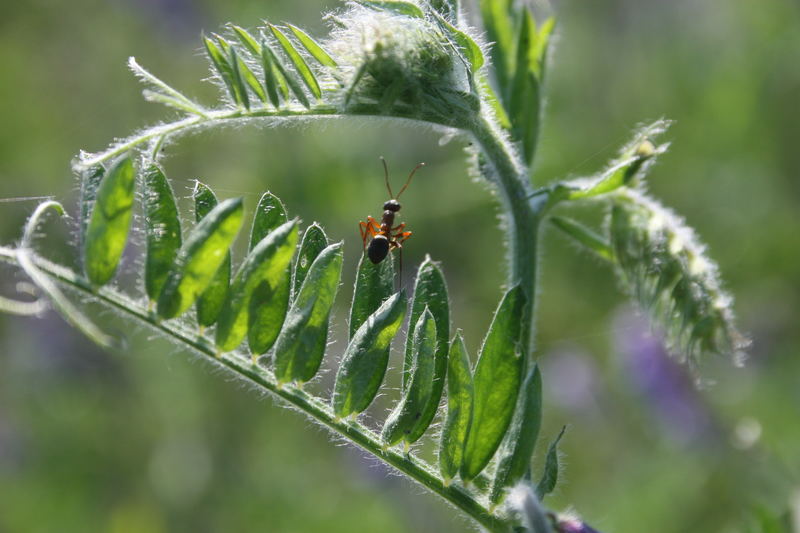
x=241, y=365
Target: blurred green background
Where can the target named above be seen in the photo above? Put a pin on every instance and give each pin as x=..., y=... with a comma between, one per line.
x=150, y=441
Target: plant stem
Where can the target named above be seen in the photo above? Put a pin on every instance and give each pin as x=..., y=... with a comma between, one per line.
x=222, y=117
x=523, y=215
x=241, y=364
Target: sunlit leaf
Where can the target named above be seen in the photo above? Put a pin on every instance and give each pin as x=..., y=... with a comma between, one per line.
x=517, y=449
x=259, y=281
x=374, y=284
x=314, y=241
x=209, y=303
x=498, y=374
x=109, y=223
x=417, y=394
x=302, y=341
x=162, y=229
x=459, y=409
x=313, y=47
x=297, y=60
x=365, y=360
x=201, y=255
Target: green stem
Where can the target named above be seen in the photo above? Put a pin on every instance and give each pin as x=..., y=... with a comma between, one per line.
x=224, y=117
x=523, y=209
x=241, y=364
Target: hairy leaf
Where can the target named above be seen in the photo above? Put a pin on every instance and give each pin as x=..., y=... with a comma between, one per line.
x=585, y=236
x=447, y=8
x=550, y=475
x=90, y=182
x=497, y=380
x=209, y=303
x=525, y=99
x=201, y=255
x=396, y=6
x=280, y=76
x=499, y=24
x=374, y=284
x=313, y=47
x=365, y=360
x=274, y=79
x=247, y=40
x=297, y=60
x=314, y=241
x=270, y=213
x=666, y=269
x=402, y=422
x=459, y=409
x=472, y=52
x=262, y=274
x=109, y=223
x=517, y=448
x=628, y=168
x=302, y=341
x=162, y=227
x=430, y=290
x=221, y=60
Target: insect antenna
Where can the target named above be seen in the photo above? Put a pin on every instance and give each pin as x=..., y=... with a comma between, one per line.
x=408, y=181
x=386, y=177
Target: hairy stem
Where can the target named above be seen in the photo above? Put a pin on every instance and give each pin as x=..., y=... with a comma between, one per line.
x=223, y=117
x=522, y=214
x=241, y=365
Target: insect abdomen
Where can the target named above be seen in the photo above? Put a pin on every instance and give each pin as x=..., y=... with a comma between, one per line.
x=378, y=249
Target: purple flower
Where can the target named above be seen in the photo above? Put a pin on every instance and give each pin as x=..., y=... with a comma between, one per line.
x=573, y=525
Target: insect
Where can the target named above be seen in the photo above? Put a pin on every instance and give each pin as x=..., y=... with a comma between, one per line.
x=386, y=236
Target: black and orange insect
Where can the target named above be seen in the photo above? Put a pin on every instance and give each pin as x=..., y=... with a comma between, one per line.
x=386, y=236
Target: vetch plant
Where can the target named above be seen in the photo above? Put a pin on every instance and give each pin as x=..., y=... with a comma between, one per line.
x=266, y=317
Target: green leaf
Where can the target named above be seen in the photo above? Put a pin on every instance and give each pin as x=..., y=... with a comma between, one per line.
x=459, y=409
x=374, y=284
x=313, y=47
x=520, y=441
x=237, y=76
x=430, y=290
x=538, y=49
x=201, y=255
x=274, y=79
x=276, y=73
x=302, y=341
x=162, y=228
x=622, y=172
x=585, y=236
x=524, y=105
x=90, y=182
x=270, y=213
x=498, y=374
x=494, y=102
x=109, y=223
x=497, y=20
x=469, y=47
x=395, y=6
x=447, y=8
x=297, y=60
x=224, y=68
x=550, y=475
x=259, y=294
x=314, y=241
x=247, y=40
x=210, y=302
x=252, y=80
x=417, y=394
x=365, y=360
